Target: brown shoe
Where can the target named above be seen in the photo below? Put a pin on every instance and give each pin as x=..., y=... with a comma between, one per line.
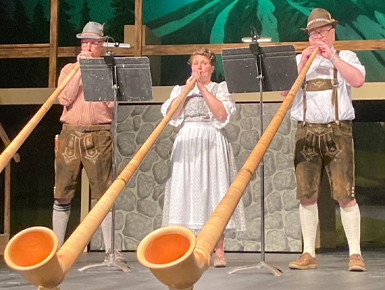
x=304, y=262
x=220, y=262
x=356, y=263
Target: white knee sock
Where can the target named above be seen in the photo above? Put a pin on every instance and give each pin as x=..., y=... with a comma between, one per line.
x=309, y=220
x=351, y=221
x=106, y=231
x=60, y=216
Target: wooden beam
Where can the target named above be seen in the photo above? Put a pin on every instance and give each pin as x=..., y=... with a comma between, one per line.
x=138, y=27
x=53, y=44
x=43, y=50
x=24, y=51
x=187, y=49
x=71, y=51
x=29, y=46
x=7, y=199
x=360, y=45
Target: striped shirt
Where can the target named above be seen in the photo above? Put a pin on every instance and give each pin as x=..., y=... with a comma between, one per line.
x=77, y=111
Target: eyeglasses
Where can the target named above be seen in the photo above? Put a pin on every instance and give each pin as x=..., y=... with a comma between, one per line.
x=91, y=43
x=323, y=32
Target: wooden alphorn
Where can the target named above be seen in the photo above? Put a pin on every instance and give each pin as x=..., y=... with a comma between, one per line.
x=34, y=251
x=16, y=143
x=173, y=254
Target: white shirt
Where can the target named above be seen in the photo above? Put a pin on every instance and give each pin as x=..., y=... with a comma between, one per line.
x=319, y=106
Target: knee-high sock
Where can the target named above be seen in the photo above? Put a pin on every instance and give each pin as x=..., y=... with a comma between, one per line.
x=60, y=216
x=106, y=231
x=309, y=220
x=351, y=221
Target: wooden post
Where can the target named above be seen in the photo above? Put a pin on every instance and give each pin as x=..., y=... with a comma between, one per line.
x=138, y=27
x=4, y=238
x=53, y=44
x=7, y=199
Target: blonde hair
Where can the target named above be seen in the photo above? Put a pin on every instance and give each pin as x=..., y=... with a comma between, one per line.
x=205, y=52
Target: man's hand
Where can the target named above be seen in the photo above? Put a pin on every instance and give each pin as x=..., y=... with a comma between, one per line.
x=84, y=54
x=306, y=53
x=324, y=49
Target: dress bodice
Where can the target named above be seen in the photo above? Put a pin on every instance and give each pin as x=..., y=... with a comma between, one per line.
x=196, y=109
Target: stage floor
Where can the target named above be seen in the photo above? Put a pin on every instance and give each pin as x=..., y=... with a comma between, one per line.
x=332, y=273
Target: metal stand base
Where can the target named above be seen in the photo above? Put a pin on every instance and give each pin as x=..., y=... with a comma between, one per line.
x=262, y=265
x=111, y=263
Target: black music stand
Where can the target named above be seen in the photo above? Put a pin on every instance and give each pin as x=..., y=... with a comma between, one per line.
x=115, y=79
x=258, y=69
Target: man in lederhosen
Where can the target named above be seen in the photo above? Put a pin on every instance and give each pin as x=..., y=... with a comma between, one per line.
x=324, y=112
x=85, y=141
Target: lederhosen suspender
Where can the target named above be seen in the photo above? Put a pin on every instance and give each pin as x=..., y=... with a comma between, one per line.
x=321, y=85
x=335, y=94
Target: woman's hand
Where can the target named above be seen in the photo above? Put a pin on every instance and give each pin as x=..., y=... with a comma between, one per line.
x=190, y=79
x=200, y=84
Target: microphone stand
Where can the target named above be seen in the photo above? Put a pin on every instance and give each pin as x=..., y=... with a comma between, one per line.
x=254, y=47
x=110, y=61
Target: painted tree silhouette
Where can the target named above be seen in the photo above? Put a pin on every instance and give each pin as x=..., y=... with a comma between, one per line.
x=40, y=25
x=5, y=23
x=22, y=32
x=84, y=15
x=124, y=14
x=67, y=33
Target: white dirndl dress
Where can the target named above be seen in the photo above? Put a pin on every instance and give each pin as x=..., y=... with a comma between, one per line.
x=202, y=163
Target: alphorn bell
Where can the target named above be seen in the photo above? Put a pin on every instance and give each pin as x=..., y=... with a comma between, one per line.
x=16, y=143
x=174, y=255
x=34, y=251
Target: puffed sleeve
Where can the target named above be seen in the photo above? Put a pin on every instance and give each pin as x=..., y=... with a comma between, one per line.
x=227, y=100
x=176, y=91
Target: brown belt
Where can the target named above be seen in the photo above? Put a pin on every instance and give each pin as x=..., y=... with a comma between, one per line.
x=319, y=85
x=90, y=128
x=337, y=122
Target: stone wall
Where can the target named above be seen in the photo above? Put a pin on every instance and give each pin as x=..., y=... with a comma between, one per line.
x=139, y=206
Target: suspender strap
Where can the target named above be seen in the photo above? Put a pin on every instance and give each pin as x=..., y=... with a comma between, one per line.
x=304, y=87
x=334, y=92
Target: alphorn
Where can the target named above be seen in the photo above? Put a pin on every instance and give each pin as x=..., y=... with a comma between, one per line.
x=16, y=143
x=34, y=251
x=173, y=254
